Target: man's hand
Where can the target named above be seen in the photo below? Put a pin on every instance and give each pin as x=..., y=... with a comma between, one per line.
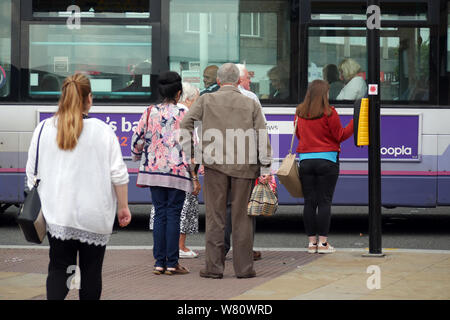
x=265, y=178
x=124, y=216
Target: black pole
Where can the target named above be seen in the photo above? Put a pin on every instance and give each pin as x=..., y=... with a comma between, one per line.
x=373, y=50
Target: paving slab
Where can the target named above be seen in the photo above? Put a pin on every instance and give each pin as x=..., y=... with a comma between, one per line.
x=281, y=275
x=127, y=275
x=343, y=276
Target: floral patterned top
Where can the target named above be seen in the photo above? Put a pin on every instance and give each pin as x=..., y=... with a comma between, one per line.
x=155, y=144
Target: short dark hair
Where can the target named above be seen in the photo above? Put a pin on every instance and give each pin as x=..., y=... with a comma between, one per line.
x=169, y=84
x=332, y=73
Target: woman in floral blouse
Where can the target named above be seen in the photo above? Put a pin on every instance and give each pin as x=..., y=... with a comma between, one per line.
x=164, y=168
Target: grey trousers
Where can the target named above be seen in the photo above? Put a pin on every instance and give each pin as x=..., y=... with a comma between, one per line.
x=217, y=187
x=228, y=229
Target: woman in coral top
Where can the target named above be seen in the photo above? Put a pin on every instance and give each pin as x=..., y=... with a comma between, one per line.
x=164, y=168
x=320, y=134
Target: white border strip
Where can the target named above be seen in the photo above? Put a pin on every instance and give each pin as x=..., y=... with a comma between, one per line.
x=359, y=250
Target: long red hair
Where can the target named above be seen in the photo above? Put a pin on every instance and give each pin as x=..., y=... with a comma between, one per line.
x=316, y=103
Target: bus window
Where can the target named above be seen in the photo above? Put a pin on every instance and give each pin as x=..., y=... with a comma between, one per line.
x=339, y=56
x=212, y=32
x=5, y=47
x=353, y=10
x=344, y=10
x=404, y=64
x=448, y=38
x=117, y=58
x=402, y=11
x=92, y=9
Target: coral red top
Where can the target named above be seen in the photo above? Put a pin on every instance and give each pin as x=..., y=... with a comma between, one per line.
x=323, y=134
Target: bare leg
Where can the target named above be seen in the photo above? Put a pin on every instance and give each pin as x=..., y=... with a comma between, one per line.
x=182, y=243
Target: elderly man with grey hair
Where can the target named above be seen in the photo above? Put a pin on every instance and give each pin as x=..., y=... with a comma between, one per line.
x=244, y=88
x=226, y=116
x=244, y=83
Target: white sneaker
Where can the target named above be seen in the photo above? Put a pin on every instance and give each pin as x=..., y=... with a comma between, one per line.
x=312, y=248
x=187, y=255
x=325, y=249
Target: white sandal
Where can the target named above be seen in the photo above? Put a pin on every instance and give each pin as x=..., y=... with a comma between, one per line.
x=188, y=255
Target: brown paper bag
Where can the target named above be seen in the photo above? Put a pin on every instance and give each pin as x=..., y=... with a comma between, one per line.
x=288, y=176
x=288, y=173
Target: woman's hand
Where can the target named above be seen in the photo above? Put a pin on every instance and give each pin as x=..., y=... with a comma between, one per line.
x=124, y=216
x=197, y=188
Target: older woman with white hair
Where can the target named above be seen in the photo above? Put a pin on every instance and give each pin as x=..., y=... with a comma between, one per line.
x=190, y=212
x=355, y=86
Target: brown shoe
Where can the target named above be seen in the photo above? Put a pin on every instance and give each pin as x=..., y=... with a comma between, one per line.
x=205, y=274
x=179, y=269
x=257, y=255
x=250, y=275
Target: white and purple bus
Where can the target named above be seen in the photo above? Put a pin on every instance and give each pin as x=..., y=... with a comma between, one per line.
x=285, y=44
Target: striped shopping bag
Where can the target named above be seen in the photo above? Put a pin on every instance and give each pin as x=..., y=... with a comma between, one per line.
x=263, y=201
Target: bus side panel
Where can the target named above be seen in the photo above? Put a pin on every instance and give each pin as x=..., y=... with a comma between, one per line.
x=11, y=187
x=444, y=191
x=444, y=170
x=9, y=162
x=402, y=191
x=136, y=194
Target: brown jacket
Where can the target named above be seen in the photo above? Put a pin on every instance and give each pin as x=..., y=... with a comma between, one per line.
x=233, y=138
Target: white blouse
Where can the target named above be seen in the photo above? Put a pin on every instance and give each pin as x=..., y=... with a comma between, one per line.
x=353, y=90
x=77, y=187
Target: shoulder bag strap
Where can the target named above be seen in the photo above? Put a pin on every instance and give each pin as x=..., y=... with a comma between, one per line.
x=293, y=135
x=36, y=163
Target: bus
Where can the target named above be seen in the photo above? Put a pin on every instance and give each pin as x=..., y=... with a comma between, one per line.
x=285, y=44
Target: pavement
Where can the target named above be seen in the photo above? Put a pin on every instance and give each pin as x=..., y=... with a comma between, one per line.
x=282, y=274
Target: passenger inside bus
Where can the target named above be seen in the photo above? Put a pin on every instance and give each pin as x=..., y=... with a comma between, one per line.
x=355, y=86
x=141, y=78
x=50, y=83
x=279, y=81
x=3, y=81
x=331, y=75
x=210, y=79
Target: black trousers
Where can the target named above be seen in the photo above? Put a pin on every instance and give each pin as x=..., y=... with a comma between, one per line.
x=319, y=178
x=61, y=269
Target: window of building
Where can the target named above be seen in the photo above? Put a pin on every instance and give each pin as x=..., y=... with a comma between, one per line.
x=92, y=9
x=117, y=58
x=5, y=47
x=250, y=24
x=193, y=22
x=256, y=33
